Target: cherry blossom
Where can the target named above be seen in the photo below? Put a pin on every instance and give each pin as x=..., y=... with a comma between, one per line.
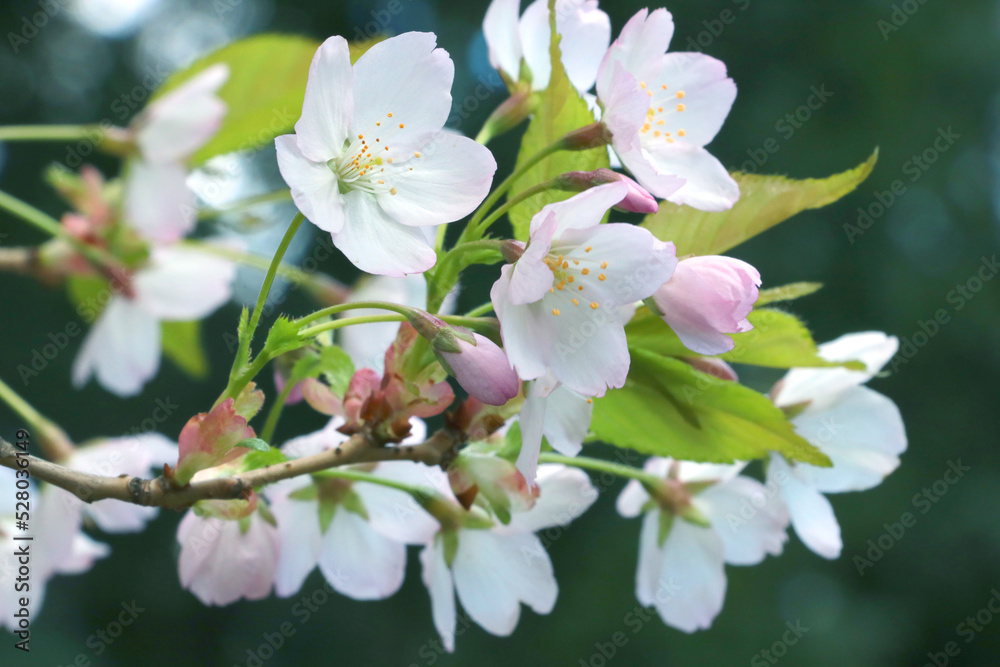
x=555, y=412
x=662, y=108
x=558, y=304
x=692, y=530
x=493, y=570
x=122, y=348
x=369, y=161
x=707, y=298
x=158, y=202
x=859, y=429
x=585, y=32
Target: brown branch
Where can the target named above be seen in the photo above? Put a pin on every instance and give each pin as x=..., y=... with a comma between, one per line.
x=162, y=492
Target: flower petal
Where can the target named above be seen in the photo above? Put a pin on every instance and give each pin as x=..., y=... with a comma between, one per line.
x=692, y=584
x=300, y=537
x=529, y=277
x=525, y=330
x=359, y=562
x=328, y=105
x=811, y=513
x=158, y=202
x=642, y=41
x=377, y=243
x=707, y=92
x=750, y=519
x=437, y=578
x=582, y=210
x=707, y=184
x=314, y=186
x=567, y=420
x=500, y=27
x=564, y=493
x=183, y=284
x=448, y=181
x=122, y=349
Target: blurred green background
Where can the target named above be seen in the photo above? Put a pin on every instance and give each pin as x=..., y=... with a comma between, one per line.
x=894, y=75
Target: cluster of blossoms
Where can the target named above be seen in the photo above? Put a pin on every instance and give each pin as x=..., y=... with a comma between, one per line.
x=371, y=163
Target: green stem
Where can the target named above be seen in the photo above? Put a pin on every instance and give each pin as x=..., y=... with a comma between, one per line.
x=311, y=332
x=46, y=223
x=47, y=132
x=333, y=310
x=53, y=439
x=420, y=494
x=511, y=203
x=480, y=310
x=241, y=204
x=600, y=465
x=275, y=413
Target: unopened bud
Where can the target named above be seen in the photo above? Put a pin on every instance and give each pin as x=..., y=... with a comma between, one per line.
x=637, y=200
x=587, y=137
x=512, y=250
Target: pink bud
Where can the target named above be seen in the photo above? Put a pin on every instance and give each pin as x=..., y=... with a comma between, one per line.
x=636, y=201
x=483, y=370
x=707, y=298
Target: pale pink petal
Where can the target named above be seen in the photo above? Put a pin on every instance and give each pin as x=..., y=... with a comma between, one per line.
x=530, y=277
x=315, y=189
x=176, y=125
x=642, y=41
x=582, y=210
x=396, y=514
x=586, y=34
x=532, y=420
x=329, y=103
x=567, y=420
x=122, y=349
x=564, y=493
x=692, y=583
x=158, y=202
x=590, y=353
x=183, y=284
x=483, y=370
x=649, y=567
x=750, y=520
x=299, y=535
x=811, y=513
x=526, y=330
x=707, y=184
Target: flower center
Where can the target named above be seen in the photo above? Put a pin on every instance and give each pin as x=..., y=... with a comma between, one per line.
x=659, y=117
x=367, y=156
x=572, y=275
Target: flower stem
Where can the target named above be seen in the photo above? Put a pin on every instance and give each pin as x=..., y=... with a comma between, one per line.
x=275, y=413
x=481, y=309
x=48, y=132
x=333, y=310
x=348, y=321
x=55, y=443
x=242, y=204
x=600, y=465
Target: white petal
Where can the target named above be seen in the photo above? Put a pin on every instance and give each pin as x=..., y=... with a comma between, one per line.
x=586, y=34
x=122, y=349
x=377, y=243
x=708, y=185
x=501, y=31
x=811, y=513
x=405, y=81
x=300, y=537
x=530, y=277
x=532, y=420
x=692, y=584
x=448, y=181
x=396, y=514
x=862, y=433
x=526, y=331
x=647, y=571
x=182, y=284
x=589, y=352
x=642, y=41
x=708, y=95
x=493, y=573
x=564, y=493
x=823, y=386
x=158, y=202
x=314, y=186
x=329, y=103
x=567, y=420
x=359, y=562
x=632, y=499
x=582, y=210
x=437, y=578
x=750, y=520
x=692, y=471
x=182, y=121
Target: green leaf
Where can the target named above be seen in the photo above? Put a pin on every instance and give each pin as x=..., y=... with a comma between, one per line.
x=764, y=202
x=778, y=340
x=560, y=110
x=262, y=459
x=264, y=92
x=255, y=444
x=182, y=345
x=331, y=362
x=787, y=292
x=283, y=337
x=667, y=408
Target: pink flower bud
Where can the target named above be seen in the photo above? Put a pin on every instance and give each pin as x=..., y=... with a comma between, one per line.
x=482, y=369
x=707, y=298
x=637, y=200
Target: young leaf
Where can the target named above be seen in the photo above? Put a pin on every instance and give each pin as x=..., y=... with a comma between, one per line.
x=255, y=444
x=331, y=362
x=787, y=292
x=764, y=202
x=182, y=345
x=778, y=340
x=283, y=337
x=560, y=110
x=667, y=408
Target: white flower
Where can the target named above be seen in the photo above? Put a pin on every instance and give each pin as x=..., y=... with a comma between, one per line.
x=556, y=412
x=494, y=570
x=859, y=429
x=369, y=161
x=558, y=304
x=158, y=202
x=662, y=109
x=688, y=536
x=222, y=561
x=355, y=532
x=123, y=347
x=585, y=32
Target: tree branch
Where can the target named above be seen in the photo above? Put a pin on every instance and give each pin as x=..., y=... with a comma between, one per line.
x=162, y=492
